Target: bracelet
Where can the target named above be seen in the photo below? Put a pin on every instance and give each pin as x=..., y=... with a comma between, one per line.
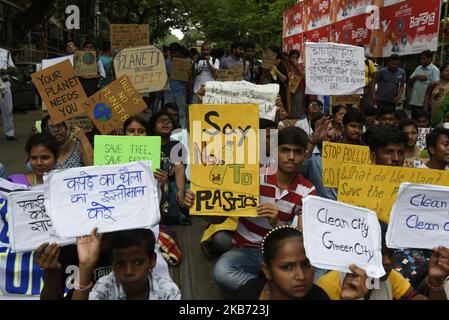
x=83, y=288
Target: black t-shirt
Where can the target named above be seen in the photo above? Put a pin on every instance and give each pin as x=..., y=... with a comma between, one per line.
x=252, y=289
x=68, y=256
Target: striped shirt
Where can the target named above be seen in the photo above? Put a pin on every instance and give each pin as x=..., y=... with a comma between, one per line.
x=250, y=231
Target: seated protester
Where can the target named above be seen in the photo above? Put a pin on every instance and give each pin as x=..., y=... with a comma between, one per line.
x=386, y=115
x=56, y=261
x=338, y=113
x=132, y=278
x=422, y=118
x=284, y=120
x=353, y=122
x=281, y=200
x=289, y=274
x=312, y=167
x=437, y=142
x=312, y=108
x=75, y=149
x=370, y=117
x=387, y=148
x=413, y=156
x=161, y=124
x=392, y=286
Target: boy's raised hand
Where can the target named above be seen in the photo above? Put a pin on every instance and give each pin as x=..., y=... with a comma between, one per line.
x=354, y=285
x=89, y=249
x=47, y=256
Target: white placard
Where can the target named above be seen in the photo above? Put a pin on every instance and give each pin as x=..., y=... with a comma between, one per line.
x=51, y=62
x=419, y=217
x=230, y=92
x=7, y=186
x=29, y=224
x=334, y=69
x=422, y=133
x=112, y=198
x=337, y=235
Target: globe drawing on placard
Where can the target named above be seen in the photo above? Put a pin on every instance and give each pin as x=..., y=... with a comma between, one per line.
x=102, y=112
x=88, y=58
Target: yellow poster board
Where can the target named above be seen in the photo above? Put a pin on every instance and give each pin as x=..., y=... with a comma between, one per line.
x=375, y=187
x=334, y=154
x=224, y=159
x=230, y=224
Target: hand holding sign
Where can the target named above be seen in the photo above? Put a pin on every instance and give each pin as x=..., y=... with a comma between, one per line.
x=438, y=267
x=354, y=285
x=89, y=248
x=47, y=257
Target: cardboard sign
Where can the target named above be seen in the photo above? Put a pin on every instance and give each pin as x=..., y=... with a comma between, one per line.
x=85, y=64
x=29, y=224
x=180, y=69
x=334, y=69
x=112, y=198
x=224, y=159
x=334, y=154
x=60, y=90
x=419, y=218
x=269, y=59
x=232, y=74
x=375, y=187
x=352, y=100
x=337, y=235
x=244, y=92
x=144, y=66
x=129, y=35
x=124, y=149
x=112, y=105
x=82, y=121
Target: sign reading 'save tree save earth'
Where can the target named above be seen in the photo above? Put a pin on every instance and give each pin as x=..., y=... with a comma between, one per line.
x=224, y=159
x=112, y=105
x=60, y=91
x=420, y=217
x=337, y=235
x=123, y=149
x=144, y=66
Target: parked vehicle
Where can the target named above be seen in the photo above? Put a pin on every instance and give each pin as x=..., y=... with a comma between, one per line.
x=24, y=93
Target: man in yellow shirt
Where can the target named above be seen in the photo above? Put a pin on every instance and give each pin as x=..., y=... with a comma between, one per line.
x=369, y=89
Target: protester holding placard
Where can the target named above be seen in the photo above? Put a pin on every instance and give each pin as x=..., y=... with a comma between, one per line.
x=252, y=66
x=297, y=78
x=75, y=149
x=161, y=124
x=387, y=147
x=278, y=74
x=90, y=84
x=413, y=157
x=203, y=69
x=438, y=148
x=281, y=200
x=312, y=108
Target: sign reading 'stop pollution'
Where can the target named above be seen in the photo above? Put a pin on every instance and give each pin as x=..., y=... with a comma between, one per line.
x=60, y=91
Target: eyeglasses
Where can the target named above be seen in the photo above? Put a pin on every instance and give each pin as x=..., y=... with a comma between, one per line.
x=164, y=120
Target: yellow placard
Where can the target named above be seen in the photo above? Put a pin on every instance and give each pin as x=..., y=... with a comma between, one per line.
x=230, y=224
x=375, y=187
x=224, y=159
x=334, y=154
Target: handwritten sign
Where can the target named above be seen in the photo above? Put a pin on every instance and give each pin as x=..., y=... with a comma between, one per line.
x=337, y=235
x=422, y=133
x=112, y=198
x=144, y=66
x=232, y=74
x=85, y=63
x=334, y=154
x=29, y=224
x=268, y=59
x=334, y=69
x=129, y=35
x=419, y=218
x=375, y=187
x=60, y=90
x=352, y=100
x=82, y=121
x=7, y=186
x=224, y=159
x=112, y=105
x=180, y=69
x=243, y=92
x=46, y=63
x=123, y=149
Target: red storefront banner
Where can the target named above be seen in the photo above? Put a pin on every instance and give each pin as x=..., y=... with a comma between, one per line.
x=316, y=14
x=293, y=20
x=293, y=43
x=318, y=35
x=351, y=31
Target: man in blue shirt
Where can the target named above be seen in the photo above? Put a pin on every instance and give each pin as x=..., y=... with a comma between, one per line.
x=390, y=82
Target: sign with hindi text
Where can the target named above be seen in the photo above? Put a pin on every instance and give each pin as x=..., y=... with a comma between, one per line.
x=144, y=66
x=375, y=187
x=244, y=92
x=129, y=35
x=112, y=105
x=112, y=198
x=224, y=159
x=419, y=217
x=60, y=90
x=334, y=69
x=334, y=154
x=337, y=235
x=124, y=149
